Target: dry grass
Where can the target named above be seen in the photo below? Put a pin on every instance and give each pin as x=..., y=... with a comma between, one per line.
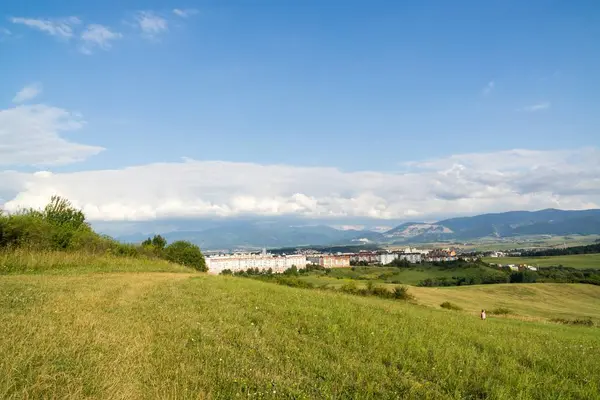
x=540, y=301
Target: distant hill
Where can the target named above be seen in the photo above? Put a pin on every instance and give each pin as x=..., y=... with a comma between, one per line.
x=256, y=234
x=507, y=224
x=414, y=229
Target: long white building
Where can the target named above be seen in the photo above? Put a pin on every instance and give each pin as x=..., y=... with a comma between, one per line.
x=242, y=262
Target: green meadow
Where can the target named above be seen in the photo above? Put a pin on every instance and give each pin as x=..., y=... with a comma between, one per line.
x=134, y=329
x=582, y=261
x=412, y=275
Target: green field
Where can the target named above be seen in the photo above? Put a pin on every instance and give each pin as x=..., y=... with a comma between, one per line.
x=393, y=275
x=521, y=242
x=189, y=335
x=574, y=261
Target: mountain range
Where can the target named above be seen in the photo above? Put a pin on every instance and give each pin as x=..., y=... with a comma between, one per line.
x=272, y=234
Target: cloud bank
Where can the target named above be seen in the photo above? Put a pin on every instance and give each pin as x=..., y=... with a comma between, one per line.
x=459, y=184
x=32, y=135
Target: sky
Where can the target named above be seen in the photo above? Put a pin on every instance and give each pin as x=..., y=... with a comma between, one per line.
x=403, y=110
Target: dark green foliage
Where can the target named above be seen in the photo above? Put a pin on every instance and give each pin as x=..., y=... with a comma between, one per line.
x=156, y=243
x=226, y=272
x=359, y=263
x=294, y=282
x=480, y=279
x=523, y=277
x=500, y=311
x=400, y=263
x=60, y=226
x=293, y=271
x=401, y=293
x=562, y=274
x=589, y=249
x=450, y=306
x=186, y=253
x=577, y=321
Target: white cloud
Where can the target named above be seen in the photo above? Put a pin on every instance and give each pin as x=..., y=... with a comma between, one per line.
x=62, y=27
x=30, y=135
x=27, y=93
x=468, y=183
x=151, y=24
x=488, y=88
x=184, y=13
x=537, y=107
x=4, y=32
x=100, y=36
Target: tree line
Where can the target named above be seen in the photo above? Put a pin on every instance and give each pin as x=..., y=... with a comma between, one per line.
x=589, y=249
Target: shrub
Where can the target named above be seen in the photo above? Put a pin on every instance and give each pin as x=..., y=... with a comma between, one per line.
x=292, y=271
x=185, y=253
x=349, y=287
x=450, y=306
x=380, y=291
x=226, y=272
x=294, y=282
x=500, y=311
x=577, y=321
x=523, y=277
x=401, y=293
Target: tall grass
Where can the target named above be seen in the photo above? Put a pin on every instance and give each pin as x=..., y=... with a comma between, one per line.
x=21, y=260
x=154, y=335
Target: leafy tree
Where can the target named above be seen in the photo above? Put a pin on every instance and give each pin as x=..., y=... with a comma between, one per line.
x=186, y=253
x=159, y=242
x=60, y=212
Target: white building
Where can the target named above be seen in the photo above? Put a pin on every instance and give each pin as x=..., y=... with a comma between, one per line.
x=411, y=257
x=414, y=250
x=242, y=262
x=386, y=258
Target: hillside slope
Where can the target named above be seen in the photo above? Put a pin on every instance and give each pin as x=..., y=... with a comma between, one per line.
x=506, y=224
x=165, y=335
x=530, y=301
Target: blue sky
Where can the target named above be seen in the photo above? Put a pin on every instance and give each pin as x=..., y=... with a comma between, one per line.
x=350, y=87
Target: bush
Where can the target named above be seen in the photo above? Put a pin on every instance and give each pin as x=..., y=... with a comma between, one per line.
x=523, y=277
x=185, y=253
x=401, y=293
x=349, y=288
x=577, y=321
x=380, y=291
x=500, y=311
x=294, y=282
x=450, y=306
x=226, y=272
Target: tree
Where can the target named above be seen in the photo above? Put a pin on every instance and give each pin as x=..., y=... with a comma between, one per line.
x=186, y=253
x=159, y=242
x=60, y=212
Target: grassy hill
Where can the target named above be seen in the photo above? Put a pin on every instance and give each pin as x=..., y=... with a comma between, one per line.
x=573, y=261
x=67, y=334
x=529, y=301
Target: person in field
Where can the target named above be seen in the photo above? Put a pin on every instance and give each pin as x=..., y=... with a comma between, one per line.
x=482, y=314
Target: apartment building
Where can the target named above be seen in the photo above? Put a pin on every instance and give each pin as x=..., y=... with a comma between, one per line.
x=330, y=261
x=241, y=262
